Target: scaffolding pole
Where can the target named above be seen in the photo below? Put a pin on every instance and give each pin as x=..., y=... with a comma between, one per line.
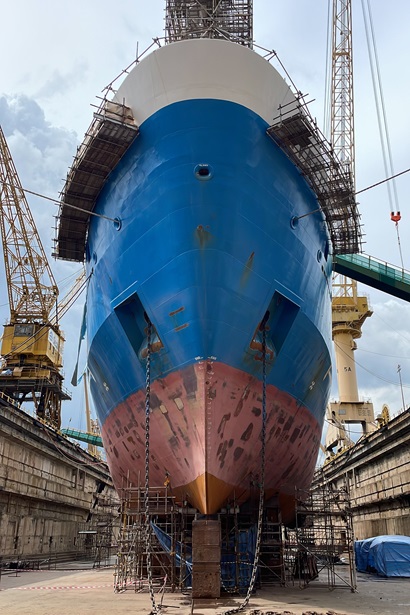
x=131, y=565
x=323, y=539
x=224, y=19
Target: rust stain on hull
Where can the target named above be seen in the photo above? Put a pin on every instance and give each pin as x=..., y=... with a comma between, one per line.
x=247, y=270
x=205, y=435
x=203, y=235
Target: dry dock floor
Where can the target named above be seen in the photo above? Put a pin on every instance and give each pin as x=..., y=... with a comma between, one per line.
x=87, y=592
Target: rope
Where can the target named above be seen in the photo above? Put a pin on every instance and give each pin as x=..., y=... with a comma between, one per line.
x=381, y=115
x=244, y=604
x=155, y=609
x=60, y=203
x=399, y=244
x=383, y=181
x=379, y=99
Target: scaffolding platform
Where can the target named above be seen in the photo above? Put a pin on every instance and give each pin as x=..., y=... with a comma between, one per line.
x=109, y=136
x=225, y=19
x=296, y=133
x=320, y=540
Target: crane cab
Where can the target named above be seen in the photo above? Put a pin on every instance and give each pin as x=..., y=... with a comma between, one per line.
x=32, y=344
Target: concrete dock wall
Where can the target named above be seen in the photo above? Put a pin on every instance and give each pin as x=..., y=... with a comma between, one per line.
x=49, y=489
x=377, y=473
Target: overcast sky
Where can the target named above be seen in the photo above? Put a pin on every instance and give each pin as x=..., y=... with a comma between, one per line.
x=58, y=57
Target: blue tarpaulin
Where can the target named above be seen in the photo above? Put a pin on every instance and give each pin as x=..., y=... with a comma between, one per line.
x=244, y=553
x=166, y=543
x=387, y=555
x=361, y=551
x=245, y=547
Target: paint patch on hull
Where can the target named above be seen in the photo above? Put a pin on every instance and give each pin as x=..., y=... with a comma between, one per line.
x=205, y=436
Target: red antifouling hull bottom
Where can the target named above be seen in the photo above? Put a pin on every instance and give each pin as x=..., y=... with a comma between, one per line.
x=205, y=438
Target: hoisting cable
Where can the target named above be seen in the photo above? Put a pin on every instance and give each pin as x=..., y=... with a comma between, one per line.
x=382, y=119
x=398, y=239
x=379, y=183
x=382, y=181
x=60, y=203
x=155, y=609
x=255, y=566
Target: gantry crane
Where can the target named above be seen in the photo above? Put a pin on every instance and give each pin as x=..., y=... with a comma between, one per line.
x=32, y=343
x=348, y=310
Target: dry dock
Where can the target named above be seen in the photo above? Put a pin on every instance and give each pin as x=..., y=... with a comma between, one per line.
x=50, y=489
x=377, y=473
x=72, y=592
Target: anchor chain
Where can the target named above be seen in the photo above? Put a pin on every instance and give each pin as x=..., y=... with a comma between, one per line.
x=245, y=602
x=155, y=608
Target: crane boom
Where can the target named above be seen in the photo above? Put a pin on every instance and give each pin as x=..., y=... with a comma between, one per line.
x=70, y=298
x=349, y=311
x=31, y=287
x=342, y=111
x=32, y=344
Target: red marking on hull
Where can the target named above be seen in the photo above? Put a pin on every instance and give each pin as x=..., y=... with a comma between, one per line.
x=205, y=430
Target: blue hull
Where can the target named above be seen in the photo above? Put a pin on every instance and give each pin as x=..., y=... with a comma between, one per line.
x=205, y=256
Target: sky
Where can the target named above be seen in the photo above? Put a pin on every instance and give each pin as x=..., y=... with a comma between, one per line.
x=57, y=58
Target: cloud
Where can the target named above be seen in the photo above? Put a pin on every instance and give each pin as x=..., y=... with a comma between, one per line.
x=42, y=153
x=60, y=83
x=20, y=113
x=63, y=69
x=24, y=125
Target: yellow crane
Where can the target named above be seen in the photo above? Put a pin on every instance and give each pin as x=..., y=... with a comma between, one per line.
x=349, y=311
x=32, y=344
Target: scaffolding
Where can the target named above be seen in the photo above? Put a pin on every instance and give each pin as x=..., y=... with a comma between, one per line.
x=272, y=555
x=225, y=19
x=296, y=133
x=106, y=541
x=172, y=546
x=322, y=539
x=313, y=549
x=110, y=134
x=238, y=532
x=131, y=565
x=98, y=536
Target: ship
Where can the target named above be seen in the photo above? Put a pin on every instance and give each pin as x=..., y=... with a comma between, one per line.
x=207, y=206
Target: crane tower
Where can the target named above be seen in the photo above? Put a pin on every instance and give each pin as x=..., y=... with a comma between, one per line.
x=32, y=342
x=348, y=310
